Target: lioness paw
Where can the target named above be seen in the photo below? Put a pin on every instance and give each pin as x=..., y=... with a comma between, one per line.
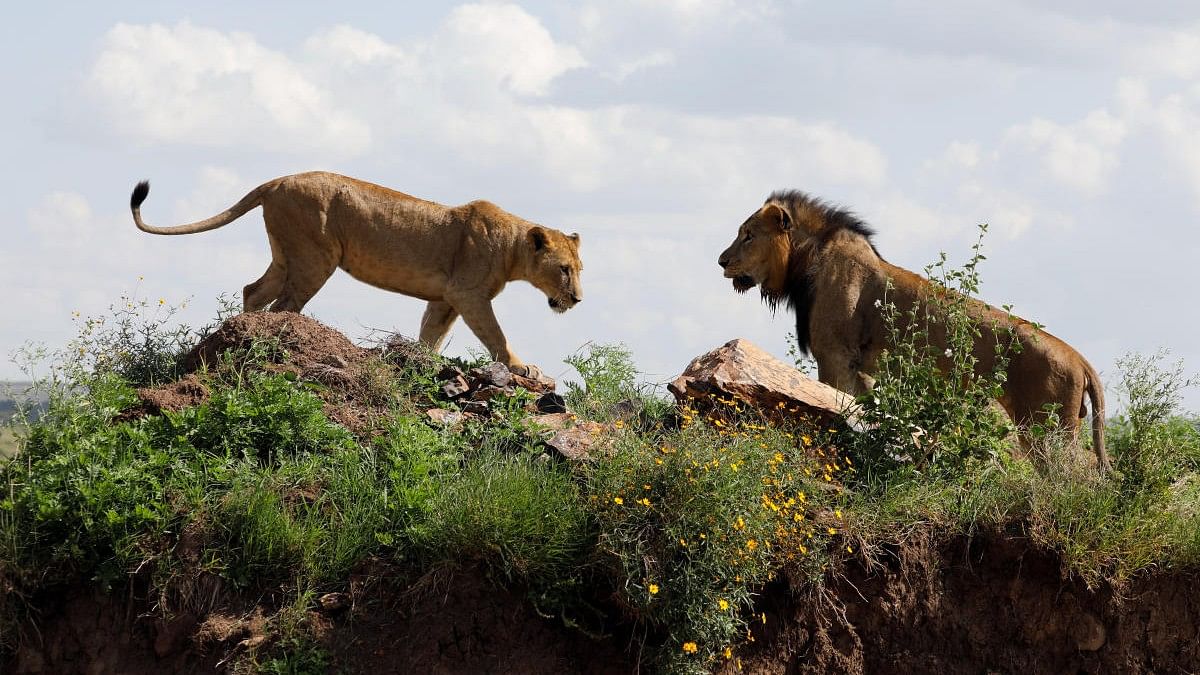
x=527, y=370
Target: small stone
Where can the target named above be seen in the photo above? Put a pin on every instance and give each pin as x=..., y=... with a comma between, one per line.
x=455, y=387
x=488, y=391
x=495, y=374
x=477, y=408
x=334, y=602
x=551, y=402
x=1088, y=633
x=444, y=417
x=449, y=373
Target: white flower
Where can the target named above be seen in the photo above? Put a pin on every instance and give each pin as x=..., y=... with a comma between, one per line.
x=949, y=353
x=878, y=303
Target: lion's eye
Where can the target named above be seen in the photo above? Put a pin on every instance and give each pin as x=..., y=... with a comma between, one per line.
x=749, y=237
x=565, y=269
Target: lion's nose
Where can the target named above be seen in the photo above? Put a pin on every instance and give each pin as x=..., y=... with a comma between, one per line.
x=722, y=262
x=576, y=299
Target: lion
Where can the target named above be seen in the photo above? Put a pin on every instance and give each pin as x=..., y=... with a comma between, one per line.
x=819, y=260
x=455, y=258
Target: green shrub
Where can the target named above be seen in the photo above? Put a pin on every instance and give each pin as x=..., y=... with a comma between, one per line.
x=923, y=415
x=692, y=523
x=610, y=377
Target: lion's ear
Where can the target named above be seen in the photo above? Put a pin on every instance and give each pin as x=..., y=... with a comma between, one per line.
x=778, y=216
x=575, y=237
x=537, y=237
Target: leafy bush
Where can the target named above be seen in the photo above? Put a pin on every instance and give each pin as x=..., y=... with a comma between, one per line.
x=929, y=408
x=609, y=378
x=693, y=522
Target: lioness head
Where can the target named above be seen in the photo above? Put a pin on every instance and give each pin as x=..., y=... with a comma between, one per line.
x=759, y=254
x=556, y=267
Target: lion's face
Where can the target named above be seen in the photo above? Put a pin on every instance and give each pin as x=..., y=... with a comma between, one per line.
x=556, y=267
x=758, y=255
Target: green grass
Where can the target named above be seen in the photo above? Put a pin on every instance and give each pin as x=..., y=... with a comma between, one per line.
x=675, y=529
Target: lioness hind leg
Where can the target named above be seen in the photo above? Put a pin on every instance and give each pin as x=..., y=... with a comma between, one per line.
x=304, y=279
x=436, y=322
x=257, y=295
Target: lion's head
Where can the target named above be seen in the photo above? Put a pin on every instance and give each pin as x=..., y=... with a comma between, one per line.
x=555, y=267
x=759, y=254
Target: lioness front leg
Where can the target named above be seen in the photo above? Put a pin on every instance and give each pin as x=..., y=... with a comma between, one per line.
x=436, y=322
x=481, y=319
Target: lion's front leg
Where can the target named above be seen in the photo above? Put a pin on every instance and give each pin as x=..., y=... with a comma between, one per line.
x=481, y=319
x=436, y=322
x=839, y=368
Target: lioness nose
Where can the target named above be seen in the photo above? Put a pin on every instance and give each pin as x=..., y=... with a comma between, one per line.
x=723, y=262
x=576, y=299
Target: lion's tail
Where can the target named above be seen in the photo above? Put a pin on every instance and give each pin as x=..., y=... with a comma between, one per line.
x=1095, y=391
x=250, y=201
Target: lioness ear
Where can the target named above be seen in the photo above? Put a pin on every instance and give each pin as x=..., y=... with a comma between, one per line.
x=537, y=237
x=575, y=237
x=777, y=215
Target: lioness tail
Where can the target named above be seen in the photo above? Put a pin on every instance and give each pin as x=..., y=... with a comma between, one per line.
x=250, y=201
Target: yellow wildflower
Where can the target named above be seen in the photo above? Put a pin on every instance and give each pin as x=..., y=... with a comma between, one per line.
x=723, y=604
x=618, y=501
x=690, y=647
x=653, y=589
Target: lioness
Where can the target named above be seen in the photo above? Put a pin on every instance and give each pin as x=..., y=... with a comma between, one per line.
x=820, y=261
x=457, y=258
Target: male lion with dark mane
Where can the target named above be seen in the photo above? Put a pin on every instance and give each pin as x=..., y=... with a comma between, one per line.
x=820, y=261
x=456, y=258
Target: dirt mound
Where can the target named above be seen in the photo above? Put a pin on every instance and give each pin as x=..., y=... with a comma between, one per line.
x=309, y=343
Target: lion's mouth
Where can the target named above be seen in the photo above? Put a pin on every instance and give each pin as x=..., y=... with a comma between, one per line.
x=560, y=305
x=743, y=283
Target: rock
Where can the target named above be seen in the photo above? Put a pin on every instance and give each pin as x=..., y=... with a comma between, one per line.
x=477, y=408
x=576, y=440
x=455, y=387
x=445, y=417
x=1088, y=633
x=739, y=369
x=334, y=602
x=489, y=391
x=494, y=374
x=449, y=373
x=551, y=402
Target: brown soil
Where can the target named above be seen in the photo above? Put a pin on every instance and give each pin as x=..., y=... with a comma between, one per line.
x=994, y=604
x=457, y=623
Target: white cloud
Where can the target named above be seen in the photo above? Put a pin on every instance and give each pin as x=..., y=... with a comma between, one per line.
x=655, y=59
x=506, y=44
x=1081, y=155
x=194, y=85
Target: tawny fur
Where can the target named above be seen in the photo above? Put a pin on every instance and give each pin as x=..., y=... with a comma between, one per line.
x=820, y=261
x=456, y=258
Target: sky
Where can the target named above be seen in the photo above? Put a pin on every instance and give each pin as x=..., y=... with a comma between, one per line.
x=651, y=127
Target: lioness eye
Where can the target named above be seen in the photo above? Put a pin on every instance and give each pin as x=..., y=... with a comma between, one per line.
x=749, y=236
x=565, y=269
